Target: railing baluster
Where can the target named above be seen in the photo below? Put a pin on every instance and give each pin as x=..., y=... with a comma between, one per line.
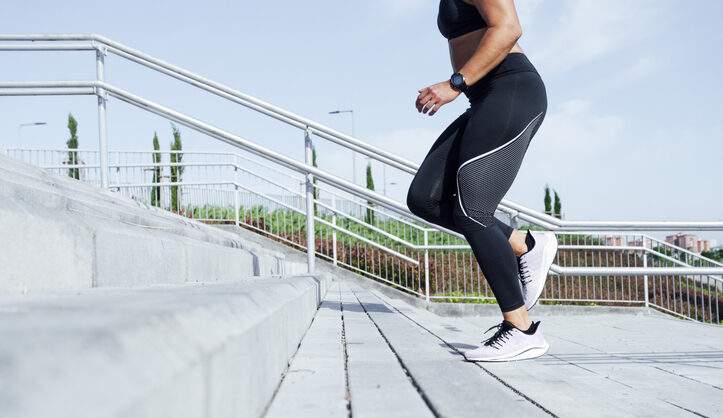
x=102, y=127
x=426, y=264
x=310, y=235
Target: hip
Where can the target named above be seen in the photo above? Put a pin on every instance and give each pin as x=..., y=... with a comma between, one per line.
x=514, y=72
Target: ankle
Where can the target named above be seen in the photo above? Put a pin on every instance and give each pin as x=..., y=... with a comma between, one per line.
x=518, y=318
x=518, y=243
x=522, y=325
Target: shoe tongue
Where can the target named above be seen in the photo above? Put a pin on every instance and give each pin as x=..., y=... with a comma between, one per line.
x=507, y=325
x=529, y=241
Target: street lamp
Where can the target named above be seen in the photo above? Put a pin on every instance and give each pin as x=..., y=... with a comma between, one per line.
x=22, y=125
x=353, y=153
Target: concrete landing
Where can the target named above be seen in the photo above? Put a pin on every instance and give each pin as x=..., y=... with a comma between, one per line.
x=367, y=354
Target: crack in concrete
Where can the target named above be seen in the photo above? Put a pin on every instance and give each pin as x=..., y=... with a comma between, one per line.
x=346, y=357
x=499, y=379
x=418, y=388
x=687, y=377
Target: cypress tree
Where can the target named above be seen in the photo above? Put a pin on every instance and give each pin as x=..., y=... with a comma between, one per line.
x=369, y=218
x=558, y=206
x=157, y=172
x=72, y=144
x=176, y=170
x=548, y=201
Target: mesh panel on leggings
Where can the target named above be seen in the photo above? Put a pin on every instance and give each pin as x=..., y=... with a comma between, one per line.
x=484, y=181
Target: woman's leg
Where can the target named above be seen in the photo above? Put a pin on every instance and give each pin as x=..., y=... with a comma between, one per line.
x=430, y=194
x=491, y=151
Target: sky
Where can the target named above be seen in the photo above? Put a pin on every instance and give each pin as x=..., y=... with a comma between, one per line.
x=633, y=130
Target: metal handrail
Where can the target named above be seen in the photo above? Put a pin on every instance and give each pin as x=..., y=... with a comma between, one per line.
x=108, y=45
x=226, y=137
x=105, y=45
x=280, y=203
x=713, y=272
x=219, y=134
x=408, y=244
x=683, y=250
x=102, y=90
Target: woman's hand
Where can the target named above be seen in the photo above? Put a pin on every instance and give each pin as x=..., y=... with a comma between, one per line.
x=431, y=98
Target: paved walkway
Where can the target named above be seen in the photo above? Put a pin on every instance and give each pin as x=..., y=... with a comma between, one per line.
x=366, y=355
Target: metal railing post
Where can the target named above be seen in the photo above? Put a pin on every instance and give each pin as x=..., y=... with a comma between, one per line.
x=333, y=230
x=235, y=206
x=645, y=277
x=514, y=220
x=310, y=236
x=426, y=264
x=236, y=182
x=100, y=53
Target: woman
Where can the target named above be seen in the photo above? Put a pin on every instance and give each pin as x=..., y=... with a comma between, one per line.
x=471, y=166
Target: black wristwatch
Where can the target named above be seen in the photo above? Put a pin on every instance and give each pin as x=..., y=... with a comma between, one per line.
x=457, y=82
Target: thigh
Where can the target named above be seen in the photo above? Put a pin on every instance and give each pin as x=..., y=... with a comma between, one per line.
x=436, y=177
x=494, y=144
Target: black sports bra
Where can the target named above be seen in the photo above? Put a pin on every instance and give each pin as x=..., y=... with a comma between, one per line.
x=456, y=18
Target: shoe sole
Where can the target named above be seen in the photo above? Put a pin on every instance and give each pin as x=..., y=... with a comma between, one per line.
x=525, y=354
x=548, y=256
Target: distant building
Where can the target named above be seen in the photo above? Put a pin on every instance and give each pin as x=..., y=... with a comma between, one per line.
x=616, y=241
x=690, y=242
x=635, y=243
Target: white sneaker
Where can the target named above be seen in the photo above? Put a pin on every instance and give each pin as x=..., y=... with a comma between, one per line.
x=535, y=264
x=509, y=344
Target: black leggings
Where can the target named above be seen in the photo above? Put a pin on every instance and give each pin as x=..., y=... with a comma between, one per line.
x=474, y=162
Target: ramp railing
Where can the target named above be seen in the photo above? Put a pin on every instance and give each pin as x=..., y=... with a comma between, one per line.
x=381, y=238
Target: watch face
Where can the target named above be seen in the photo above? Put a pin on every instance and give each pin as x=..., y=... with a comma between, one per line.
x=457, y=80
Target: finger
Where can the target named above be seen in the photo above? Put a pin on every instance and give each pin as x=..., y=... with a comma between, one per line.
x=422, y=90
x=423, y=100
x=419, y=103
x=428, y=106
x=424, y=107
x=427, y=97
x=436, y=108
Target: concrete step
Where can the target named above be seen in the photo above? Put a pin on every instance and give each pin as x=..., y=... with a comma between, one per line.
x=315, y=383
x=58, y=233
x=201, y=350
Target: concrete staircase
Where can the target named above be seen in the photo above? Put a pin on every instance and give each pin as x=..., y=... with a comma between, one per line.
x=109, y=308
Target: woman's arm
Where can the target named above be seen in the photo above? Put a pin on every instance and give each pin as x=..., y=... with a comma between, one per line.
x=502, y=32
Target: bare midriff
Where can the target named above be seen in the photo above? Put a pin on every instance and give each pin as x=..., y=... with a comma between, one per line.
x=463, y=47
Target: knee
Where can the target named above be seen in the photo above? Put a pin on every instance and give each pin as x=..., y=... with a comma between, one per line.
x=419, y=202
x=472, y=218
x=414, y=200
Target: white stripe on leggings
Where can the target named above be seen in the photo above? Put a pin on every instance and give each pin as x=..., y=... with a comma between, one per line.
x=459, y=195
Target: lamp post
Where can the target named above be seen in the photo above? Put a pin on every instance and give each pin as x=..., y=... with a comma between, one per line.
x=391, y=183
x=353, y=153
x=22, y=125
